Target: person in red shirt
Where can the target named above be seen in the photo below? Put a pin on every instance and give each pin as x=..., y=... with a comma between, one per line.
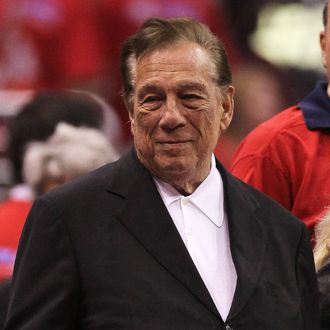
x=288, y=156
x=49, y=44
x=13, y=213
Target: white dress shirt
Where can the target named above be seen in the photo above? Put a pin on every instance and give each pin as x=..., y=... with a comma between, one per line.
x=202, y=223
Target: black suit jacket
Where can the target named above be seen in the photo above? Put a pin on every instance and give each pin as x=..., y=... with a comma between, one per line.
x=4, y=297
x=103, y=253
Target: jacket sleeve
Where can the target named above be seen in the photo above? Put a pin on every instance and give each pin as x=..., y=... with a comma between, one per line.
x=307, y=283
x=45, y=288
x=323, y=280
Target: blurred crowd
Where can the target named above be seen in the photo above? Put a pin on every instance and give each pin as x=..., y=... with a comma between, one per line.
x=76, y=44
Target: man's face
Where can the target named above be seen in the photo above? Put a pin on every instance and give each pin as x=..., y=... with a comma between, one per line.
x=179, y=112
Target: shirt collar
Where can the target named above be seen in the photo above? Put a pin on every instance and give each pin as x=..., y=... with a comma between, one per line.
x=208, y=197
x=316, y=107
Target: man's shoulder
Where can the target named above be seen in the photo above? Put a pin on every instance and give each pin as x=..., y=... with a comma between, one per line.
x=274, y=135
x=285, y=121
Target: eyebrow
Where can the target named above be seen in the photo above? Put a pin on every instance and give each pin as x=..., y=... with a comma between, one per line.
x=185, y=85
x=149, y=88
x=191, y=85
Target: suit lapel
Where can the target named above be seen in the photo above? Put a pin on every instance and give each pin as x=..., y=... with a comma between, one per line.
x=248, y=238
x=147, y=219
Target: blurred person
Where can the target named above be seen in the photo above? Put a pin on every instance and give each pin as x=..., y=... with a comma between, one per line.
x=322, y=242
x=165, y=238
x=36, y=121
x=53, y=44
x=322, y=265
x=288, y=156
x=49, y=44
x=69, y=153
x=58, y=44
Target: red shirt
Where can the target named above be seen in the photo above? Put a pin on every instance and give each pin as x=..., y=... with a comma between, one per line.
x=12, y=218
x=288, y=162
x=49, y=44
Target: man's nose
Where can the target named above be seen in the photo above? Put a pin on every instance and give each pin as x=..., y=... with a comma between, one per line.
x=172, y=115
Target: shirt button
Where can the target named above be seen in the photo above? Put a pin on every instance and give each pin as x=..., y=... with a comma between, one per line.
x=189, y=232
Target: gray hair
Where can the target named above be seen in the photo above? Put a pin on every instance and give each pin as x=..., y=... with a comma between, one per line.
x=322, y=241
x=70, y=152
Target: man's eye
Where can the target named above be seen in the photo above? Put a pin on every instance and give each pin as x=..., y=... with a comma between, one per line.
x=190, y=97
x=192, y=101
x=151, y=102
x=150, y=99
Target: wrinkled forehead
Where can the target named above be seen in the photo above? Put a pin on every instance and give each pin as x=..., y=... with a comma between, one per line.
x=173, y=55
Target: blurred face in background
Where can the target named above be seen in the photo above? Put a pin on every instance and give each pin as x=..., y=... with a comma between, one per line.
x=179, y=113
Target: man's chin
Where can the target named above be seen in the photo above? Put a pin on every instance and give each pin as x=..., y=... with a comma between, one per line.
x=175, y=167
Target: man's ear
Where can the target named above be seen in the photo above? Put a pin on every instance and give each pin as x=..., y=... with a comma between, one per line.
x=323, y=48
x=227, y=107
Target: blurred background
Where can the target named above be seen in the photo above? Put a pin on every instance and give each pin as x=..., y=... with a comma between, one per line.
x=273, y=47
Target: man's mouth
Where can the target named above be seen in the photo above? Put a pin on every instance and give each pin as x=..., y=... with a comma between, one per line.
x=173, y=141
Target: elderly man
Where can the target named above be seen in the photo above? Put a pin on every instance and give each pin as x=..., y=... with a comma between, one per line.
x=165, y=238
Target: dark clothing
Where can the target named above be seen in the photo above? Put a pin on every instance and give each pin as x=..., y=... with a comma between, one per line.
x=316, y=107
x=323, y=278
x=4, y=298
x=102, y=252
